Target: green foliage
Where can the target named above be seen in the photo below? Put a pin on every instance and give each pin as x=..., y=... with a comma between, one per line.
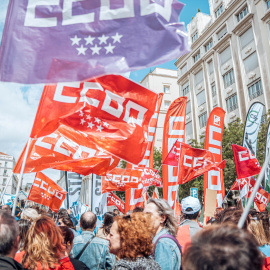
x=199, y=10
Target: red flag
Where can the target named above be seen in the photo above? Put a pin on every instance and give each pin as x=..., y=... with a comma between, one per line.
x=246, y=163
x=155, y=194
x=213, y=179
x=173, y=157
x=262, y=199
x=121, y=179
x=174, y=129
x=113, y=200
x=195, y=162
x=150, y=177
x=110, y=111
x=68, y=150
x=177, y=211
x=46, y=192
x=134, y=198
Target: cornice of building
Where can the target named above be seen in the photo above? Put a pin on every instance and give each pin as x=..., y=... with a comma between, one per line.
x=245, y=23
x=266, y=17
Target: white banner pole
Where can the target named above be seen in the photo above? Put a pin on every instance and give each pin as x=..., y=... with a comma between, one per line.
x=20, y=177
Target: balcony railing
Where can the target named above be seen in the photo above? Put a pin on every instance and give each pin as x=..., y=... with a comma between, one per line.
x=255, y=94
x=233, y=107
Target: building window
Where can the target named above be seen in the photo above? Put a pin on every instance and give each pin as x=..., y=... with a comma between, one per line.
x=194, y=37
x=214, y=90
x=6, y=163
x=211, y=67
x=183, y=69
x=185, y=89
x=225, y=55
x=251, y=62
x=246, y=38
x=198, y=77
x=242, y=14
x=222, y=33
x=219, y=11
x=203, y=120
x=228, y=78
x=188, y=107
x=5, y=172
x=201, y=98
x=166, y=89
x=268, y=4
x=167, y=104
x=255, y=90
x=208, y=46
x=188, y=129
x=196, y=57
x=231, y=103
x=4, y=181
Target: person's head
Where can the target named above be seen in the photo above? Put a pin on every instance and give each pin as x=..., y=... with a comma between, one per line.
x=137, y=209
x=232, y=216
x=66, y=221
x=44, y=243
x=9, y=235
x=24, y=226
x=30, y=214
x=68, y=238
x=107, y=222
x=162, y=215
x=256, y=228
x=191, y=208
x=131, y=236
x=88, y=221
x=222, y=247
x=6, y=208
x=116, y=212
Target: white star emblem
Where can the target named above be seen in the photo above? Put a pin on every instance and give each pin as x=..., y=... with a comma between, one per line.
x=116, y=38
x=75, y=40
x=95, y=50
x=81, y=50
x=88, y=117
x=90, y=125
x=109, y=48
x=105, y=124
x=82, y=121
x=97, y=120
x=103, y=39
x=81, y=113
x=89, y=40
x=99, y=128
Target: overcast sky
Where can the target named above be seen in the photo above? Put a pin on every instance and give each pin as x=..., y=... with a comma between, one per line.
x=18, y=103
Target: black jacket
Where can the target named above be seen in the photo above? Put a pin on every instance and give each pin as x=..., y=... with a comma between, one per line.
x=78, y=265
x=7, y=263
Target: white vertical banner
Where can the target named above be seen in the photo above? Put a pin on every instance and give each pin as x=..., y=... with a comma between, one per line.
x=74, y=187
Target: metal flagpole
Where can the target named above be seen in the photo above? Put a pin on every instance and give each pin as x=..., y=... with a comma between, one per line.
x=20, y=177
x=66, y=179
x=253, y=194
x=4, y=191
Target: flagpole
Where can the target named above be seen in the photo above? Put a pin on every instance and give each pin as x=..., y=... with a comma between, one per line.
x=21, y=176
x=226, y=197
x=66, y=180
x=253, y=194
x=4, y=191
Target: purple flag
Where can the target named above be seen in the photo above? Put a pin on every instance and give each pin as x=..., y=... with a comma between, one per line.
x=49, y=41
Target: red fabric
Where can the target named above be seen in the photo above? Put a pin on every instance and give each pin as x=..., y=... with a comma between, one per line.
x=172, y=158
x=194, y=162
x=266, y=265
x=213, y=179
x=174, y=129
x=183, y=236
x=246, y=163
x=46, y=192
x=64, y=264
x=119, y=109
x=113, y=200
x=121, y=179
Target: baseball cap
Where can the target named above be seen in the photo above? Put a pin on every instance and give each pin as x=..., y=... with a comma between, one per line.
x=190, y=202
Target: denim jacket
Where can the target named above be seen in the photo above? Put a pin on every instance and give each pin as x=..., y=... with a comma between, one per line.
x=167, y=253
x=96, y=256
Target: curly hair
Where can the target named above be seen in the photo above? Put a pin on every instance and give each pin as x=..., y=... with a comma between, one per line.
x=43, y=244
x=136, y=235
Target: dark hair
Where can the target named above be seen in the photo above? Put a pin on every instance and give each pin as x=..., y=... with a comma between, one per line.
x=231, y=215
x=264, y=217
x=62, y=213
x=190, y=216
x=222, y=247
x=9, y=230
x=67, y=234
x=137, y=209
x=107, y=222
x=67, y=221
x=24, y=226
x=88, y=220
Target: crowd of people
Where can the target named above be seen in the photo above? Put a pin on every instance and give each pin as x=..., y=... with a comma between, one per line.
x=147, y=238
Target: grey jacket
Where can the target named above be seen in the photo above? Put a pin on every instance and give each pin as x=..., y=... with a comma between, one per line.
x=141, y=263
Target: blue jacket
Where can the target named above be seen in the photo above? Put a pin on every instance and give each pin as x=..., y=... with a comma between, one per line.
x=167, y=253
x=96, y=256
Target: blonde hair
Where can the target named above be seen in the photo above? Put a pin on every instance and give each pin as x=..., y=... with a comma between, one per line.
x=30, y=214
x=256, y=228
x=43, y=244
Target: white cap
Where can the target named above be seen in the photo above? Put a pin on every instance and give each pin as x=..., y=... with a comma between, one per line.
x=190, y=202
